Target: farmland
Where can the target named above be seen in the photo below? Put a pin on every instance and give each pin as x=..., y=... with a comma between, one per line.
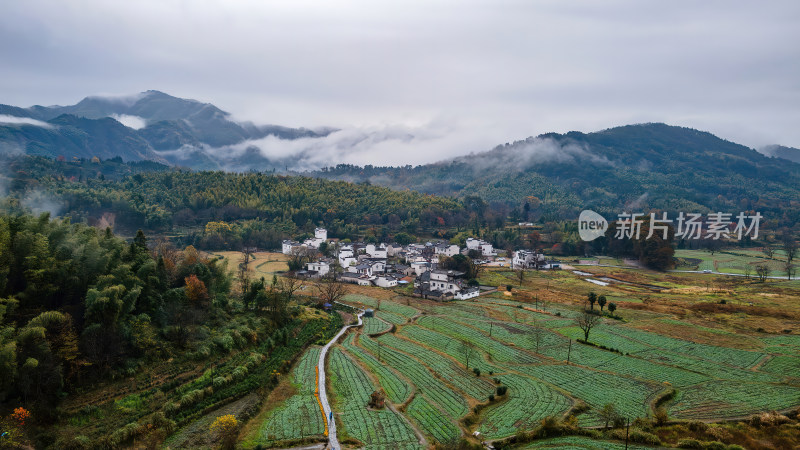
x=499, y=364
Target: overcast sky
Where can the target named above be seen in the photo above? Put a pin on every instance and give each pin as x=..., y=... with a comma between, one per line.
x=457, y=76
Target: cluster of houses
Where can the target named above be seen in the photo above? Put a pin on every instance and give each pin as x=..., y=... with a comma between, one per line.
x=390, y=265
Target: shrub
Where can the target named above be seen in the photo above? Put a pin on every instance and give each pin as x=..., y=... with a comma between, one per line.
x=643, y=437
x=239, y=373
x=697, y=426
x=192, y=397
x=170, y=408
x=501, y=390
x=224, y=342
x=491, y=397
x=225, y=429
x=218, y=382
x=661, y=417
x=476, y=371
x=690, y=443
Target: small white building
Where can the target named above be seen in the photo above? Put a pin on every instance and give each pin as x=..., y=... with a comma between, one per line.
x=484, y=247
x=321, y=267
x=385, y=281
x=320, y=236
x=446, y=249
x=443, y=280
x=377, y=251
x=420, y=267
x=287, y=246
x=524, y=259
x=467, y=293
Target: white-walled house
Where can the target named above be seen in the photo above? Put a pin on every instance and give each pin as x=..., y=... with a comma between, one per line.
x=467, y=293
x=320, y=236
x=393, y=249
x=484, y=247
x=420, y=267
x=524, y=259
x=288, y=246
x=321, y=267
x=385, y=281
x=376, y=251
x=447, y=249
x=443, y=280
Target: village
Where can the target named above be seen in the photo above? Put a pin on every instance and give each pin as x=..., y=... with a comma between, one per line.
x=427, y=265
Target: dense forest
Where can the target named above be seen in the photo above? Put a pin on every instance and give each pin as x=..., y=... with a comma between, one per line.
x=229, y=211
x=256, y=209
x=80, y=306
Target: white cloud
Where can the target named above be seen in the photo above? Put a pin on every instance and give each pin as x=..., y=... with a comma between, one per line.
x=502, y=70
x=14, y=120
x=129, y=121
x=397, y=144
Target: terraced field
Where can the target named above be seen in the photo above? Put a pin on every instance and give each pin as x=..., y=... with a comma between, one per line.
x=300, y=416
x=374, y=428
x=420, y=364
x=529, y=401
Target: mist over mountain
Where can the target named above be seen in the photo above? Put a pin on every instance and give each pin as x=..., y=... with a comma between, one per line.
x=635, y=166
x=624, y=168
x=779, y=151
x=151, y=125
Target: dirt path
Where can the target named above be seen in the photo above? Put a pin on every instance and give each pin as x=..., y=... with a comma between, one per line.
x=333, y=441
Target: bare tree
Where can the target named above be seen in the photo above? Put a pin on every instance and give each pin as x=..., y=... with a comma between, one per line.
x=536, y=332
x=762, y=271
x=769, y=251
x=289, y=285
x=748, y=270
x=521, y=276
x=299, y=256
x=586, y=321
x=789, y=246
x=244, y=268
x=467, y=350
x=790, y=270
x=330, y=290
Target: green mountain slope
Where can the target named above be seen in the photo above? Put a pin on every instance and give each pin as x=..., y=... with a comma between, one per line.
x=625, y=168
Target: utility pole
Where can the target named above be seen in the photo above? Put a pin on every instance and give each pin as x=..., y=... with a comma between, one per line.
x=569, y=350
x=627, y=429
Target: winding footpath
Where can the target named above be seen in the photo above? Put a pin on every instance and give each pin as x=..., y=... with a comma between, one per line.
x=333, y=442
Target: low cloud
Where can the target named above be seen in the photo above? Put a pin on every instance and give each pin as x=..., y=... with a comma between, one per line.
x=14, y=120
x=531, y=152
x=129, y=121
x=40, y=201
x=392, y=145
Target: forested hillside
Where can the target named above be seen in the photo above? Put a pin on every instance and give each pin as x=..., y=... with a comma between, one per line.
x=103, y=341
x=642, y=167
x=255, y=209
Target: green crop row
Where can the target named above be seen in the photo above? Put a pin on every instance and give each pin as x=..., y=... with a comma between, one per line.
x=529, y=401
x=397, y=390
x=425, y=381
x=352, y=389
x=431, y=420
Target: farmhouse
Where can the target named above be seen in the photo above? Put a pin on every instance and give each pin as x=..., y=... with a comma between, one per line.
x=287, y=246
x=484, y=247
x=524, y=259
x=322, y=268
x=446, y=249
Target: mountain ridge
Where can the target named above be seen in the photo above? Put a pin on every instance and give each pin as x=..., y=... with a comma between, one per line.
x=170, y=124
